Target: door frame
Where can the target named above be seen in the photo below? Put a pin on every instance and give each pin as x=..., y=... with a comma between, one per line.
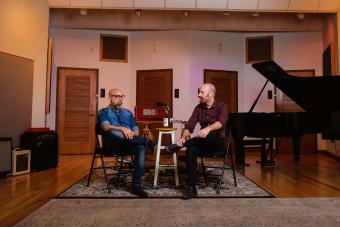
x=171, y=89
x=228, y=71
x=59, y=68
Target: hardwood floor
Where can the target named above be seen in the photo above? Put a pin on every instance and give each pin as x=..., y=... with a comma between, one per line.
x=21, y=195
x=315, y=176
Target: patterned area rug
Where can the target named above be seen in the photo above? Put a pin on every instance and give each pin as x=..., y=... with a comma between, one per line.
x=166, y=186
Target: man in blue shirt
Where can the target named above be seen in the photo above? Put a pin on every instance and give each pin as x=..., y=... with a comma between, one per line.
x=121, y=133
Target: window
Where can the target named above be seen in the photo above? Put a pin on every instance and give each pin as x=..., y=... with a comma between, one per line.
x=113, y=48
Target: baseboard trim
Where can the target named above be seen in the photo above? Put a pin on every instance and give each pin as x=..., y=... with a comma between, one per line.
x=329, y=154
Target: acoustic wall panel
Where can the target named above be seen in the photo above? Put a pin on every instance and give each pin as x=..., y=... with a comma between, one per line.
x=16, y=91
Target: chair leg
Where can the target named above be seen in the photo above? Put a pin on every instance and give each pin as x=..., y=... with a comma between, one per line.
x=105, y=174
x=91, y=169
x=219, y=182
x=120, y=169
x=204, y=172
x=233, y=167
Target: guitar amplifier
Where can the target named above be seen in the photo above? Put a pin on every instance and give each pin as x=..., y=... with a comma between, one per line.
x=43, y=146
x=21, y=161
x=149, y=112
x=5, y=156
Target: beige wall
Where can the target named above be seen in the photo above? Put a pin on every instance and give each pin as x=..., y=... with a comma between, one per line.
x=24, y=32
x=188, y=53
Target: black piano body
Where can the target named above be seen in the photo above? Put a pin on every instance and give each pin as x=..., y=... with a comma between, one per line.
x=318, y=96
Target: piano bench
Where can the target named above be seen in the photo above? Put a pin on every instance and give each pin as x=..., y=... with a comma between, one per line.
x=255, y=142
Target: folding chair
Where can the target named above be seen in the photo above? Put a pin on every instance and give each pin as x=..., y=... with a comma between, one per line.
x=224, y=154
x=100, y=152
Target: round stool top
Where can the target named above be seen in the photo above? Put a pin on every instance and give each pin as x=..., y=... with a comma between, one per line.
x=166, y=129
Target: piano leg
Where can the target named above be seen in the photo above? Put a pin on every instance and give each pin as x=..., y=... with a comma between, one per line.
x=263, y=152
x=267, y=149
x=296, y=147
x=239, y=146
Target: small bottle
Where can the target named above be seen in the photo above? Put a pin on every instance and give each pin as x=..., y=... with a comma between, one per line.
x=166, y=122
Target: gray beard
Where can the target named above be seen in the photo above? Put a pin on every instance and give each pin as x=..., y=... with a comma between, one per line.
x=118, y=106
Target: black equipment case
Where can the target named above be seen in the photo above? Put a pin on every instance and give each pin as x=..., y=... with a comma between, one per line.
x=43, y=146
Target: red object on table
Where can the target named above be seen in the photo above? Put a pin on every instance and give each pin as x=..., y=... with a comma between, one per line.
x=38, y=129
x=149, y=112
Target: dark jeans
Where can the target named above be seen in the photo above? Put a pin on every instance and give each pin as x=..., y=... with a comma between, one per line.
x=197, y=147
x=135, y=147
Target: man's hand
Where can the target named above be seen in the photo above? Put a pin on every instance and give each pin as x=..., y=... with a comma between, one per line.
x=180, y=142
x=127, y=132
x=203, y=132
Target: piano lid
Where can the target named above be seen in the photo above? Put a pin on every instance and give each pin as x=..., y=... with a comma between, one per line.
x=311, y=93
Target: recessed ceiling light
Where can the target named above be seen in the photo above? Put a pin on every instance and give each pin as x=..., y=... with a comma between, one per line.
x=300, y=16
x=83, y=12
x=186, y=13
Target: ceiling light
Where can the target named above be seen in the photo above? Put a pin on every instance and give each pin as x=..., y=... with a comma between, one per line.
x=138, y=12
x=226, y=13
x=186, y=13
x=83, y=12
x=255, y=14
x=300, y=16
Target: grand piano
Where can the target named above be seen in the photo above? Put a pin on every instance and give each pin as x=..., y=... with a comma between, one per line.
x=318, y=96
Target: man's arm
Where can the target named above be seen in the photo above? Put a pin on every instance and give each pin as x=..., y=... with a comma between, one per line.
x=133, y=124
x=205, y=131
x=189, y=127
x=127, y=132
x=107, y=126
x=184, y=136
x=221, y=121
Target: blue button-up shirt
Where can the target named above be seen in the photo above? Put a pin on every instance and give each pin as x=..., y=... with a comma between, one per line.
x=122, y=117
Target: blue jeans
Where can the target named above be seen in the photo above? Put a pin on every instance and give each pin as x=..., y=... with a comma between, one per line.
x=135, y=147
x=118, y=137
x=138, y=163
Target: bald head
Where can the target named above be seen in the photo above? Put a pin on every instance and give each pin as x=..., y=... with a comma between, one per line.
x=115, y=91
x=210, y=88
x=116, y=98
x=206, y=94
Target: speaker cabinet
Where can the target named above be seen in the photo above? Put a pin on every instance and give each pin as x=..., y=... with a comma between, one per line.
x=5, y=156
x=21, y=161
x=43, y=147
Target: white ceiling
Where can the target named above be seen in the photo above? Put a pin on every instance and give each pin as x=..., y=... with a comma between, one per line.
x=219, y=5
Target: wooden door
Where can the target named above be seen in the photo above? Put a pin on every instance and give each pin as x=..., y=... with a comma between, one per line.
x=226, y=86
x=154, y=86
x=77, y=107
x=284, y=104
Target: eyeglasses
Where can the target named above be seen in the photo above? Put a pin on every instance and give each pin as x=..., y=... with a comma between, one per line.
x=118, y=96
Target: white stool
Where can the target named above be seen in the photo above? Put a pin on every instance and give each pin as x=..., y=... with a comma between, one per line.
x=163, y=131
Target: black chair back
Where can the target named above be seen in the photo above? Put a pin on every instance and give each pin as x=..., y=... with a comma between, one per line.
x=98, y=129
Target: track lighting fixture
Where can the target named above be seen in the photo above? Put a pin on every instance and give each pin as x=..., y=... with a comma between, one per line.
x=138, y=12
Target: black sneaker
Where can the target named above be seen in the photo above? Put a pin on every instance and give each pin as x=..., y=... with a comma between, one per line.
x=189, y=192
x=151, y=144
x=138, y=191
x=173, y=148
